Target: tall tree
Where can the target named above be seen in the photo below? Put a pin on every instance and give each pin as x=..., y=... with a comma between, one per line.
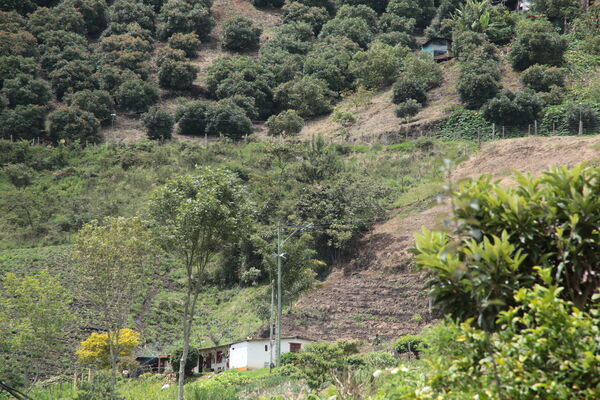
x=196, y=216
x=34, y=320
x=112, y=260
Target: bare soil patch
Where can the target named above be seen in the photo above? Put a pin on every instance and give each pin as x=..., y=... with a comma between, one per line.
x=377, y=292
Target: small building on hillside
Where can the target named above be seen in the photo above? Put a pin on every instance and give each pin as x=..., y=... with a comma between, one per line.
x=439, y=48
x=245, y=355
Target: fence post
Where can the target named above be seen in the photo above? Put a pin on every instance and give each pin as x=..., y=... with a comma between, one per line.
x=535, y=127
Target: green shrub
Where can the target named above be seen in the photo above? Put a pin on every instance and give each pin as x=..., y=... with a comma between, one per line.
x=356, y=29
x=465, y=42
x=536, y=42
x=295, y=11
x=373, y=360
x=12, y=66
x=408, y=108
x=158, y=123
x=22, y=122
x=476, y=88
x=286, y=123
x=109, y=77
x=265, y=3
x=124, y=12
x=395, y=39
x=188, y=42
x=420, y=10
x=308, y=95
x=377, y=66
x=94, y=14
x=125, y=43
x=73, y=76
x=564, y=119
x=329, y=62
x=406, y=89
x=244, y=76
x=186, y=16
x=319, y=360
x=464, y=124
x=409, y=344
x=24, y=89
x=343, y=117
x=98, y=102
x=422, y=68
x=177, y=75
x=228, y=119
x=361, y=11
x=72, y=124
x=240, y=33
x=19, y=43
x=97, y=389
x=541, y=78
x=169, y=54
x=62, y=17
x=190, y=363
x=294, y=38
x=509, y=109
x=377, y=5
x=282, y=65
x=136, y=95
x=389, y=23
x=192, y=118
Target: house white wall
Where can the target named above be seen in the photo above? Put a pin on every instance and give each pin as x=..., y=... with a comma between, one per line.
x=238, y=355
x=256, y=354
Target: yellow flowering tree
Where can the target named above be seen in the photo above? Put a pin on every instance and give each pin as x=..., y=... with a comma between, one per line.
x=96, y=350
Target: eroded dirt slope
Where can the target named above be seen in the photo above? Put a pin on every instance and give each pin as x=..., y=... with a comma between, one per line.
x=376, y=292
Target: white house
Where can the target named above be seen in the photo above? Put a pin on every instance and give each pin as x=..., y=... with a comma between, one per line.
x=245, y=355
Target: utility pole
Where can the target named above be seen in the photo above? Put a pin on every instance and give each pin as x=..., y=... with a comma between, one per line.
x=279, y=256
x=580, y=120
x=271, y=323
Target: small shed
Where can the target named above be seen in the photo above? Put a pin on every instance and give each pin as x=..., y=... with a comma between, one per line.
x=439, y=48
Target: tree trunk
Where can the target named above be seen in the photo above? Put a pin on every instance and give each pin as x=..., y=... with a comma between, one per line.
x=113, y=364
x=186, y=345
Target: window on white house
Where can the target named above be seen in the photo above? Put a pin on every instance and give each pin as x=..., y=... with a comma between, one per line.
x=295, y=347
x=266, y=347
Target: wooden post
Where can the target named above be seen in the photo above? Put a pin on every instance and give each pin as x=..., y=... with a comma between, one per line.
x=529, y=130
x=89, y=375
x=503, y=132
x=75, y=382
x=535, y=132
x=493, y=131
x=205, y=140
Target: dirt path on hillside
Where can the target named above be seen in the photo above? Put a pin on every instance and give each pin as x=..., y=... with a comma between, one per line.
x=376, y=292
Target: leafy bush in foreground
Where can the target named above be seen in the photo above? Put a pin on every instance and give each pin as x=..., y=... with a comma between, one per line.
x=545, y=348
x=499, y=243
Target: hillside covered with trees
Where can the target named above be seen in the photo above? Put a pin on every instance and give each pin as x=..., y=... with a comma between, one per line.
x=153, y=152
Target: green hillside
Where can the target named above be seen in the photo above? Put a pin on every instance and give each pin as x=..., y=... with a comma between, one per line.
x=347, y=117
